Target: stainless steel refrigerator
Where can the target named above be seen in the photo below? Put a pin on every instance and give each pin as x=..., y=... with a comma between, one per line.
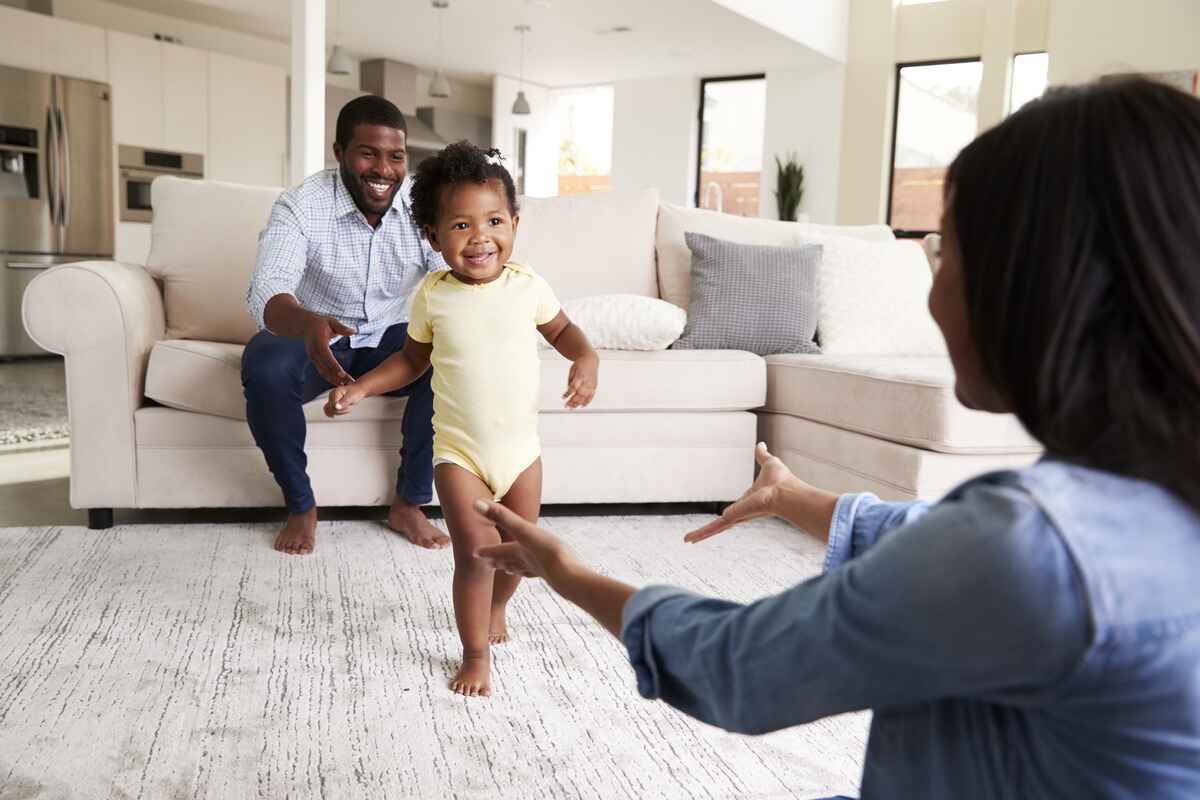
x=56, y=191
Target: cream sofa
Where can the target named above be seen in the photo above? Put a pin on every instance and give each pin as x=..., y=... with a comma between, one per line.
x=158, y=421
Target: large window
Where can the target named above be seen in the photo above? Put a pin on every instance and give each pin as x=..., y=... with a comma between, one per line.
x=729, y=166
x=1029, y=74
x=935, y=117
x=585, y=124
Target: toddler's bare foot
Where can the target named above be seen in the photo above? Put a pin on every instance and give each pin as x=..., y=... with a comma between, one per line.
x=409, y=521
x=498, y=628
x=298, y=536
x=474, y=677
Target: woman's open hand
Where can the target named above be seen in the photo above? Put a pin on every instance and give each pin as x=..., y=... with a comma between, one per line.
x=532, y=553
x=758, y=501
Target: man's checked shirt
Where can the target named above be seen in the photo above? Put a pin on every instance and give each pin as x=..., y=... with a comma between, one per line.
x=319, y=247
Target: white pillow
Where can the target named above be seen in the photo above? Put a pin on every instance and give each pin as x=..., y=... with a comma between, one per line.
x=872, y=298
x=625, y=321
x=675, y=259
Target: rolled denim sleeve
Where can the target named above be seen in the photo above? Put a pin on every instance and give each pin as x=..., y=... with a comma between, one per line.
x=975, y=595
x=861, y=520
x=282, y=256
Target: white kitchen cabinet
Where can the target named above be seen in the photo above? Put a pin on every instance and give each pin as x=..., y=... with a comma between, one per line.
x=185, y=98
x=160, y=93
x=51, y=44
x=247, y=121
x=136, y=75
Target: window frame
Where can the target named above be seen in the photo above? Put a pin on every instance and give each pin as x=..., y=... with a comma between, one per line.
x=902, y=233
x=700, y=121
x=1013, y=66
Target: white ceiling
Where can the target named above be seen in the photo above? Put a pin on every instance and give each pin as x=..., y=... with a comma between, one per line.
x=568, y=46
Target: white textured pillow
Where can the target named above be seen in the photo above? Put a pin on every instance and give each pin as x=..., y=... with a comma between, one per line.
x=626, y=321
x=675, y=222
x=872, y=298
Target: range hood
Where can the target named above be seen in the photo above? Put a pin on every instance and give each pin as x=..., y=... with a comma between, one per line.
x=398, y=83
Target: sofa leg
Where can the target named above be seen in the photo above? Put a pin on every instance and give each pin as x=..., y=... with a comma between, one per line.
x=100, y=518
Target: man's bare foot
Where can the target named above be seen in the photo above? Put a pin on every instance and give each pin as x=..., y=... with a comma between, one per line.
x=299, y=534
x=474, y=677
x=410, y=522
x=498, y=628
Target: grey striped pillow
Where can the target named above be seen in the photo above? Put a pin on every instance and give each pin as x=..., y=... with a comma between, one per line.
x=751, y=297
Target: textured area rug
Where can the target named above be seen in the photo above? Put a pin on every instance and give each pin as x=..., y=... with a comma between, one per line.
x=194, y=662
x=31, y=411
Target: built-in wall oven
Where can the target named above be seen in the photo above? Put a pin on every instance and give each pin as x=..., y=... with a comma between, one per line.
x=139, y=167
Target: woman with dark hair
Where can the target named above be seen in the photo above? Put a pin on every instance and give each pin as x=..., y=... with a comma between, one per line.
x=1037, y=632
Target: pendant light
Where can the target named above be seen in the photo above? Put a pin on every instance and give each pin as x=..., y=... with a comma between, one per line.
x=521, y=104
x=339, y=62
x=439, y=86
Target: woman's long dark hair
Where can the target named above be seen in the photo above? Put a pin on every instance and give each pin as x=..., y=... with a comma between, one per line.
x=1079, y=223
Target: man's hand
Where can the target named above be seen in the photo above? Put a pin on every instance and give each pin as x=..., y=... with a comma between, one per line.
x=758, y=501
x=581, y=382
x=533, y=552
x=342, y=399
x=317, y=335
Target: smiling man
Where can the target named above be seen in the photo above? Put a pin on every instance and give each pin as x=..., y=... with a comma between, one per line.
x=337, y=265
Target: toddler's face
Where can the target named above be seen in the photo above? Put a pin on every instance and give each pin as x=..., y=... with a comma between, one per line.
x=475, y=230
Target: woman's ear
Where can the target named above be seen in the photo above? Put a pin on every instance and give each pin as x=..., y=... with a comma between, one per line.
x=431, y=236
x=516, y=220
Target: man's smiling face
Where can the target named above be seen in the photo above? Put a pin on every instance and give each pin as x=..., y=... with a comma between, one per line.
x=373, y=165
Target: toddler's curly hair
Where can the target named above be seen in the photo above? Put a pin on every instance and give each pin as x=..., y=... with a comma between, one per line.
x=461, y=162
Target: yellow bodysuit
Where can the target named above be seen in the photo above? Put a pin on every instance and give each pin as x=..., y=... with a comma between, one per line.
x=486, y=369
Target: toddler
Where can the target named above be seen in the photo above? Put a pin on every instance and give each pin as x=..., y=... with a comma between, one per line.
x=476, y=324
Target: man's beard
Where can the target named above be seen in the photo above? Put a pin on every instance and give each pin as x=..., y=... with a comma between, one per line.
x=355, y=184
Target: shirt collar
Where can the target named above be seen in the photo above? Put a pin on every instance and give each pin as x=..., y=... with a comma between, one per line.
x=343, y=202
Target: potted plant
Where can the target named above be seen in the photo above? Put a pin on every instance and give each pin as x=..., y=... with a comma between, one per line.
x=789, y=187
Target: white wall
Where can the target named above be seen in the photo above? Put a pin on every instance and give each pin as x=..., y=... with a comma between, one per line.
x=654, y=136
x=541, y=147
x=883, y=34
x=819, y=24
x=866, y=116
x=804, y=115
x=1090, y=38
x=470, y=98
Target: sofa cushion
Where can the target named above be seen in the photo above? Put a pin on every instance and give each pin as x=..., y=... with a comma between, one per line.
x=902, y=399
x=675, y=260
x=873, y=298
x=203, y=245
x=600, y=243
x=751, y=297
x=206, y=377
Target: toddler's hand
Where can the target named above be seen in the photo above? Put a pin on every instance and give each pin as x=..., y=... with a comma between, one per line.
x=581, y=383
x=342, y=399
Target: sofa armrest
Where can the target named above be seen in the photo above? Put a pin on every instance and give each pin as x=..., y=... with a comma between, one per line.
x=103, y=317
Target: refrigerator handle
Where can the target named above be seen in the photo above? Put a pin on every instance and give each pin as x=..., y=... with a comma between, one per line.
x=52, y=163
x=64, y=167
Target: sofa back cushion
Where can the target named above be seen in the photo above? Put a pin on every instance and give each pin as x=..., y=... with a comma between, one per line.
x=675, y=260
x=872, y=298
x=203, y=246
x=593, y=244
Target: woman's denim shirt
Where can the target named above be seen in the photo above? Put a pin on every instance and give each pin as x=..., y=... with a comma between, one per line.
x=1034, y=634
